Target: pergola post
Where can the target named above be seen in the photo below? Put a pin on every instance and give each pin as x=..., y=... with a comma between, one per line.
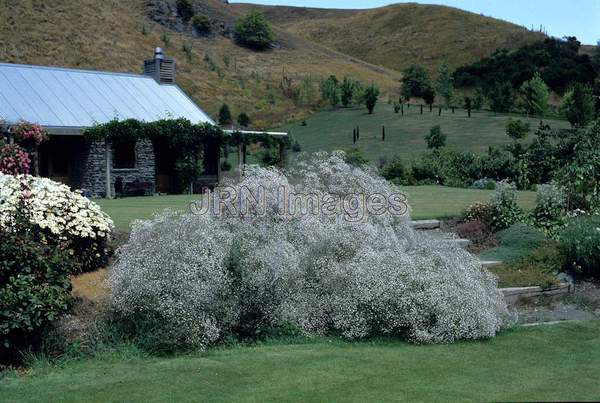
x=282, y=154
x=240, y=162
x=107, y=157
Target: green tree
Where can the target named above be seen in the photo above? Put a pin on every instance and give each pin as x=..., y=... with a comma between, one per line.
x=201, y=23
x=415, y=82
x=185, y=9
x=596, y=92
x=428, y=95
x=347, y=90
x=355, y=157
x=358, y=93
x=535, y=95
x=517, y=129
x=371, y=96
x=254, y=31
x=468, y=104
x=393, y=169
x=435, y=138
x=243, y=120
x=225, y=115
x=443, y=84
x=596, y=56
x=578, y=105
x=502, y=97
x=478, y=99
x=330, y=90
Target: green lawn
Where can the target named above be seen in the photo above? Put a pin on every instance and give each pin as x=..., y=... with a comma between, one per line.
x=552, y=362
x=426, y=202
x=332, y=130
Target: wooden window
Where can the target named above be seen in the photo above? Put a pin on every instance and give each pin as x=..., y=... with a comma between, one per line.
x=124, y=155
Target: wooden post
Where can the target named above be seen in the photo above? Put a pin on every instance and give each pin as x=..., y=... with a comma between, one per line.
x=240, y=164
x=36, y=161
x=453, y=110
x=421, y=109
x=402, y=109
x=357, y=133
x=218, y=163
x=440, y=111
x=282, y=155
x=354, y=136
x=430, y=107
x=108, y=184
x=382, y=133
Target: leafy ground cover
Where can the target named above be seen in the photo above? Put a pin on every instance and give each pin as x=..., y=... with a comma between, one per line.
x=515, y=242
x=552, y=362
x=404, y=134
x=427, y=202
x=528, y=258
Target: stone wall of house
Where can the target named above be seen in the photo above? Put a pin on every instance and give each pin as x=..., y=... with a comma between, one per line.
x=94, y=168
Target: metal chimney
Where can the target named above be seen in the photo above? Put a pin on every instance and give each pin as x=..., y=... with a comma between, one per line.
x=160, y=68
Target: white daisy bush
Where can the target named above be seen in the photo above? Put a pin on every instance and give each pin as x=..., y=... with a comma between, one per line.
x=193, y=279
x=63, y=217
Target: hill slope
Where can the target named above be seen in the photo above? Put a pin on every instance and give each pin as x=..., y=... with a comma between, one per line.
x=399, y=35
x=118, y=35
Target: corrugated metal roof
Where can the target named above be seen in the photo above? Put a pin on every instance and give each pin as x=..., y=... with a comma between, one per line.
x=67, y=100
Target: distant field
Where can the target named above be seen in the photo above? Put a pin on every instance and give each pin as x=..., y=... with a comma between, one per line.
x=332, y=129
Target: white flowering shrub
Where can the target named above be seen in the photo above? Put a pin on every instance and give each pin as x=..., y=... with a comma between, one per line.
x=195, y=279
x=63, y=217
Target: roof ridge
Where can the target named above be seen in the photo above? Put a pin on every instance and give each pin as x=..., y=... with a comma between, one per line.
x=72, y=69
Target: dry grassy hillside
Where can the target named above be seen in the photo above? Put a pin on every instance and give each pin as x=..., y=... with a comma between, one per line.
x=399, y=35
x=117, y=35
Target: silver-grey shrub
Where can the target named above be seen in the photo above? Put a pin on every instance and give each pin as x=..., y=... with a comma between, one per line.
x=201, y=278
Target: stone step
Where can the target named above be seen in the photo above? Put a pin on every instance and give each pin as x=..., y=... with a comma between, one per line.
x=513, y=294
x=486, y=264
x=463, y=243
x=425, y=224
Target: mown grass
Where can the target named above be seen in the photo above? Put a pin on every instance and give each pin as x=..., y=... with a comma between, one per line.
x=404, y=134
x=558, y=362
x=426, y=202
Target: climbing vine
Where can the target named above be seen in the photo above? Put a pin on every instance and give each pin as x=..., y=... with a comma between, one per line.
x=180, y=133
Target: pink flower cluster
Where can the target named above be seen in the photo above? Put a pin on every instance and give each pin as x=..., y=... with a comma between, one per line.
x=14, y=160
x=29, y=133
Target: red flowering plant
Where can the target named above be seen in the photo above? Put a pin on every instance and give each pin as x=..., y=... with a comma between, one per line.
x=13, y=159
x=29, y=135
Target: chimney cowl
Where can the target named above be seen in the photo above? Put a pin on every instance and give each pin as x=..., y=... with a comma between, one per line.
x=160, y=68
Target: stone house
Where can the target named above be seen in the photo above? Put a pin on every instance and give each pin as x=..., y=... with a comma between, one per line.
x=67, y=101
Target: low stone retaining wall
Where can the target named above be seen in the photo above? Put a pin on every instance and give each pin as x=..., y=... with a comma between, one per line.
x=425, y=224
x=514, y=294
